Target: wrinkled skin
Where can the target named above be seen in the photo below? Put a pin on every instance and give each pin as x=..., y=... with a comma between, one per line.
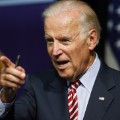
x=69, y=53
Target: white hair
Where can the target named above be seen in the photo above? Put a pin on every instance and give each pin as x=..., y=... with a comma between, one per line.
x=87, y=17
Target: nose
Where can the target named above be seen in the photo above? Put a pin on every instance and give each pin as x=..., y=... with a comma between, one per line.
x=57, y=48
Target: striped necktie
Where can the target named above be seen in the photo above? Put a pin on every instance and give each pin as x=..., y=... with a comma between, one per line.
x=73, y=101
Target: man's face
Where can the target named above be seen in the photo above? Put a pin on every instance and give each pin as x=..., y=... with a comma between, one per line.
x=69, y=54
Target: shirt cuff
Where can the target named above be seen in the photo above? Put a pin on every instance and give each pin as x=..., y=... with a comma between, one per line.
x=4, y=107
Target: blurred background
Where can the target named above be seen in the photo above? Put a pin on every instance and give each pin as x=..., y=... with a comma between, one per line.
x=21, y=32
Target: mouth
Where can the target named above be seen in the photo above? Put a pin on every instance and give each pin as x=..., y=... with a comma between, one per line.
x=62, y=64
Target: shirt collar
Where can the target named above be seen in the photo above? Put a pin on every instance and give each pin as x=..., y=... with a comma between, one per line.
x=90, y=75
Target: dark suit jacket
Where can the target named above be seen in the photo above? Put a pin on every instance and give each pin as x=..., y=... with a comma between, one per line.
x=45, y=97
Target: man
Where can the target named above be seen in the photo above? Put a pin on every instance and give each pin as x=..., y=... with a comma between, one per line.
x=72, y=31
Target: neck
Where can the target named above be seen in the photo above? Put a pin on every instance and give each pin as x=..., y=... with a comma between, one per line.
x=91, y=60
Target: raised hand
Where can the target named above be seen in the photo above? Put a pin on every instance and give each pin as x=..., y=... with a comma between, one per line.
x=11, y=78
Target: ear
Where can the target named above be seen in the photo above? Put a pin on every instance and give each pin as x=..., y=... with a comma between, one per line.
x=92, y=39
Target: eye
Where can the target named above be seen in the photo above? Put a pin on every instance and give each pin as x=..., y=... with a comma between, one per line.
x=65, y=40
x=49, y=40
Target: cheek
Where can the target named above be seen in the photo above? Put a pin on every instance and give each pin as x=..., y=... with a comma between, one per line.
x=78, y=56
x=76, y=61
x=74, y=56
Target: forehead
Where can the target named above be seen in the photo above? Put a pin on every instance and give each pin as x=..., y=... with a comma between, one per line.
x=64, y=22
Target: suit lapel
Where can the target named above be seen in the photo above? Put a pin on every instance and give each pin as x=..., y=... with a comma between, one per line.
x=101, y=98
x=57, y=98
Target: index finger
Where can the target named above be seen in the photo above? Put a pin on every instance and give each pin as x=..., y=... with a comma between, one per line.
x=6, y=61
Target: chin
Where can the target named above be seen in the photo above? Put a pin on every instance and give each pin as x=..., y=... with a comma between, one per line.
x=64, y=75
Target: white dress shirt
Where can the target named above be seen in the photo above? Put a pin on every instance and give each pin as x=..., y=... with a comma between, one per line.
x=84, y=90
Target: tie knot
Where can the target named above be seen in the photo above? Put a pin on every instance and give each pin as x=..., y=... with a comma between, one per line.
x=75, y=85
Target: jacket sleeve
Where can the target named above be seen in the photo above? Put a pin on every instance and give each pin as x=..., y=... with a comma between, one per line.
x=24, y=106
